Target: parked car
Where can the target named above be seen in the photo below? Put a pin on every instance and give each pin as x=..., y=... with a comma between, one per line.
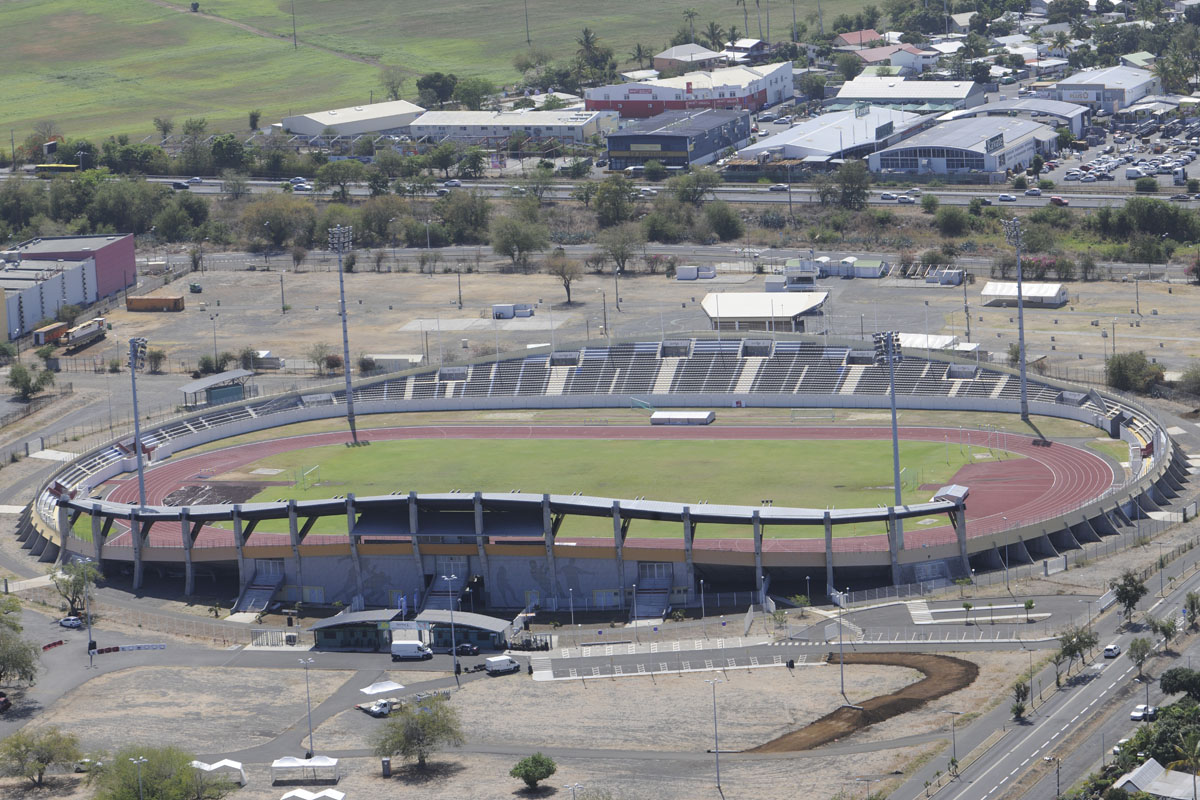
x=1143, y=712
x=887, y=196
x=467, y=649
x=1089, y=178
x=906, y=199
x=778, y=187
x=71, y=622
x=452, y=182
x=1112, y=651
x=1007, y=198
x=783, y=121
x=1034, y=192
x=1116, y=751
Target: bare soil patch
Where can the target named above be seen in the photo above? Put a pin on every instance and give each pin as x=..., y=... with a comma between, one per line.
x=943, y=675
x=218, y=492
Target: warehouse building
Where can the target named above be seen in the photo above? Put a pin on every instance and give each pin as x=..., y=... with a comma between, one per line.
x=35, y=290
x=766, y=311
x=909, y=95
x=740, y=87
x=854, y=133
x=394, y=116
x=498, y=126
x=113, y=254
x=687, y=56
x=1067, y=115
x=679, y=138
x=1111, y=88
x=984, y=144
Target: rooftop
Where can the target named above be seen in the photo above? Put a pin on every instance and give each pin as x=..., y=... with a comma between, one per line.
x=470, y=619
x=523, y=116
x=860, y=37
x=1056, y=107
x=363, y=113
x=871, y=88
x=835, y=131
x=761, y=305
x=739, y=76
x=1111, y=77
x=973, y=133
x=688, y=52
x=357, y=618
x=681, y=123
x=61, y=244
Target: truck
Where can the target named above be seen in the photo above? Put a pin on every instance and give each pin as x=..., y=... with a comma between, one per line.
x=1179, y=176
x=410, y=649
x=84, y=333
x=501, y=665
x=172, y=302
x=50, y=333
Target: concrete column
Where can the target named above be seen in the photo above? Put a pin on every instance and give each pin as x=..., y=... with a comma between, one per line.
x=241, y=548
x=97, y=533
x=294, y=538
x=894, y=544
x=960, y=533
x=351, y=517
x=416, y=547
x=618, y=545
x=64, y=530
x=189, y=571
x=483, y=557
x=829, y=589
x=689, y=534
x=548, y=535
x=758, y=567
x=135, y=532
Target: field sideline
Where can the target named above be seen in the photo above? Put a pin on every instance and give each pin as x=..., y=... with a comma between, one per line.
x=110, y=68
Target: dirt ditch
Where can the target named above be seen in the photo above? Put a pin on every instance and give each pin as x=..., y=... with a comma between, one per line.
x=943, y=675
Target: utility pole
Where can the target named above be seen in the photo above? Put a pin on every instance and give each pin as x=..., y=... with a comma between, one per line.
x=1012, y=232
x=528, y=41
x=282, y=302
x=340, y=238
x=295, y=46
x=460, y=288
x=966, y=310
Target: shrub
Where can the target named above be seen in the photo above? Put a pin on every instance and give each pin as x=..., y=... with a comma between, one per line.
x=951, y=221
x=929, y=203
x=1146, y=185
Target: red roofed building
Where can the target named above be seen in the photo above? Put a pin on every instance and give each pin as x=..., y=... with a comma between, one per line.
x=857, y=38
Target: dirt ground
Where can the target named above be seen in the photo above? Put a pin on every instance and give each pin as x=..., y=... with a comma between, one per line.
x=942, y=675
x=202, y=709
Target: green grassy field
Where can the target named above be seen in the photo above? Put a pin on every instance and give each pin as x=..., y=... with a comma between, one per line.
x=106, y=68
x=792, y=473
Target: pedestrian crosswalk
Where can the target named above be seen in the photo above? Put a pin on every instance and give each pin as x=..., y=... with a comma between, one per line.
x=919, y=611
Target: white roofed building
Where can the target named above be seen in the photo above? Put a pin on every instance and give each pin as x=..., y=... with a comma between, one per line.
x=893, y=91
x=743, y=88
x=688, y=56
x=981, y=144
x=854, y=133
x=494, y=126
x=394, y=116
x=1043, y=295
x=766, y=311
x=1111, y=88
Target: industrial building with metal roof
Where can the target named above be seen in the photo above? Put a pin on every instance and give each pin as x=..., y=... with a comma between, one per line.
x=1111, y=88
x=1071, y=115
x=982, y=144
x=915, y=94
x=839, y=135
x=481, y=126
x=393, y=116
x=763, y=311
x=679, y=138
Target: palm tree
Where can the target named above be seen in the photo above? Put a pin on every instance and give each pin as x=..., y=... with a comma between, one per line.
x=734, y=34
x=690, y=15
x=745, y=16
x=758, y=13
x=714, y=34
x=588, y=43
x=1061, y=43
x=1188, y=751
x=641, y=54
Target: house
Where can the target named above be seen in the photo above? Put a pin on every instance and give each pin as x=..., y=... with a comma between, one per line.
x=874, y=56
x=857, y=39
x=914, y=60
x=1157, y=781
x=1140, y=59
x=745, y=51
x=961, y=23
x=687, y=57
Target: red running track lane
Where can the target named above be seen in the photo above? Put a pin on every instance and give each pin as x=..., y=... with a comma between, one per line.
x=1004, y=494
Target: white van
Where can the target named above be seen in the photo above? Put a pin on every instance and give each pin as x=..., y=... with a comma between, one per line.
x=410, y=650
x=501, y=665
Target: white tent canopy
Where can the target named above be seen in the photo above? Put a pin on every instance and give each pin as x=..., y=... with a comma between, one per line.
x=379, y=687
x=224, y=764
x=1005, y=293
x=304, y=794
x=328, y=766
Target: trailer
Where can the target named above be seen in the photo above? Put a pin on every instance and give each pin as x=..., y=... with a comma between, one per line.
x=84, y=334
x=50, y=333
x=155, y=303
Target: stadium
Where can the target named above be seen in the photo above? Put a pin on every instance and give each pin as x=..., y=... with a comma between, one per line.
x=218, y=506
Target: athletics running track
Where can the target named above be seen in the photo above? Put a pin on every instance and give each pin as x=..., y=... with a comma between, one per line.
x=1004, y=493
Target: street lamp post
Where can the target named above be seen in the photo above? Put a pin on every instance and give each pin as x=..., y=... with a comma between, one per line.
x=573, y=787
x=702, y=614
x=716, y=740
x=308, y=697
x=1012, y=233
x=841, y=640
x=453, y=642
x=213, y=319
x=137, y=355
x=571, y=593
x=341, y=237
x=139, y=761
x=953, y=739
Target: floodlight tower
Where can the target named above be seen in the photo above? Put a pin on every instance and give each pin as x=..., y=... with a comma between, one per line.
x=340, y=238
x=1012, y=233
x=887, y=349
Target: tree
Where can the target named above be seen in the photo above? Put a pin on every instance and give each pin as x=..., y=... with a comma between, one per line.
x=1191, y=604
x=1076, y=642
x=1188, y=751
x=517, y=239
x=1017, y=710
x=67, y=313
x=812, y=85
x=166, y=774
x=849, y=66
x=853, y=181
x=155, y=359
x=443, y=157
x=72, y=580
x=1057, y=660
x=471, y=92
x=393, y=80
x=29, y=753
x=951, y=220
x=620, y=243
x=929, y=203
x=415, y=731
x=1132, y=372
x=340, y=174
x=534, y=768
x=472, y=163
x=1020, y=692
x=694, y=186
x=567, y=270
x=654, y=170
x=724, y=220
x=584, y=192
x=254, y=116
x=714, y=36
x=19, y=658
x=640, y=54
x=235, y=184
x=1139, y=651
x=317, y=354
x=1145, y=185
x=436, y=87
x=1181, y=680
x=540, y=181
x=613, y=201
x=967, y=612
x=164, y=126
x=1028, y=607
x=28, y=381
x=690, y=15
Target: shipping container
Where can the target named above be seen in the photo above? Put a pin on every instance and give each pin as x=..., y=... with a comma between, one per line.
x=155, y=303
x=50, y=333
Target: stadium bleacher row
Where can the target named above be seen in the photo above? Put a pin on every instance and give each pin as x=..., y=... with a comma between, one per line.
x=683, y=367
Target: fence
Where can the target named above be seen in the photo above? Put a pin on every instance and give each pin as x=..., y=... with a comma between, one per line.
x=36, y=404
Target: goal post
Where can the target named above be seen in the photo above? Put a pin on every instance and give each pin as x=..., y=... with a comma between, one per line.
x=811, y=414
x=641, y=405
